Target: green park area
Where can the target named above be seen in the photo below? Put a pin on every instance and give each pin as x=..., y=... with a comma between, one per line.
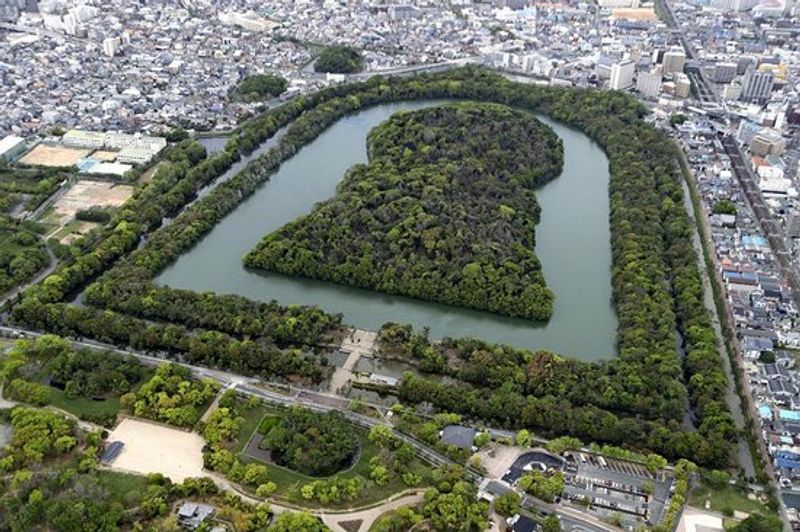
x=307, y=458
x=725, y=499
x=86, y=383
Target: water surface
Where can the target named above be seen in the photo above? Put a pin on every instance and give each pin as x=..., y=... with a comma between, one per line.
x=572, y=242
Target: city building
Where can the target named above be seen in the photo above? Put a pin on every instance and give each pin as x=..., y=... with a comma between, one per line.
x=10, y=147
x=724, y=72
x=649, y=84
x=757, y=86
x=673, y=61
x=622, y=75
x=110, y=46
x=683, y=86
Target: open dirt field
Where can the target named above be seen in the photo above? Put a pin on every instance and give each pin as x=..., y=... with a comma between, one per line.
x=85, y=194
x=634, y=13
x=105, y=155
x=155, y=448
x=499, y=459
x=44, y=155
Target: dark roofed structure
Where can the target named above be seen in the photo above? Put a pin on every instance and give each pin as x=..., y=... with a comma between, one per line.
x=458, y=435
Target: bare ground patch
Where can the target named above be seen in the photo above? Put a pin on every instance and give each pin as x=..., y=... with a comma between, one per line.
x=150, y=448
x=85, y=194
x=47, y=155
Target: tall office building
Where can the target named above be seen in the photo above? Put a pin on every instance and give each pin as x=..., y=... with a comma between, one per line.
x=622, y=75
x=724, y=72
x=649, y=84
x=110, y=46
x=757, y=86
x=674, y=60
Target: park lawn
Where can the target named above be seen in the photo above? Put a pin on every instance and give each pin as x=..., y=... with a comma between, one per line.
x=124, y=487
x=252, y=419
x=729, y=497
x=83, y=407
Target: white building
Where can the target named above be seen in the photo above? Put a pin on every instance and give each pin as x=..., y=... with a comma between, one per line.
x=249, y=21
x=10, y=147
x=683, y=87
x=649, y=84
x=673, y=61
x=110, y=46
x=618, y=3
x=83, y=139
x=622, y=75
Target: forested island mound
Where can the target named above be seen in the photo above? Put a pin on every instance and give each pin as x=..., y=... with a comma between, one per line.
x=444, y=211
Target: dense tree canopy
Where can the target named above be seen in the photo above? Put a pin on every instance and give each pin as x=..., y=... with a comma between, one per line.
x=171, y=396
x=312, y=443
x=444, y=211
x=260, y=86
x=339, y=59
x=667, y=352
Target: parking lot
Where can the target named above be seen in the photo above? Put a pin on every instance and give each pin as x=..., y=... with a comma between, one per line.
x=616, y=487
x=531, y=460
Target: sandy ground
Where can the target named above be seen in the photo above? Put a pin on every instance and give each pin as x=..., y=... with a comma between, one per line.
x=105, y=155
x=85, y=194
x=155, y=448
x=634, y=13
x=44, y=155
x=694, y=520
x=497, y=465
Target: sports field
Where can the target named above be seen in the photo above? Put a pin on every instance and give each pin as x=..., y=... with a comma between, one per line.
x=46, y=155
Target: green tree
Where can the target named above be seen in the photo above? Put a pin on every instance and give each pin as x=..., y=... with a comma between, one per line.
x=339, y=59
x=551, y=523
x=293, y=521
x=507, y=504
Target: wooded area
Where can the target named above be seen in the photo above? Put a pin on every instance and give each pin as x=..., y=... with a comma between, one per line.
x=444, y=211
x=655, y=282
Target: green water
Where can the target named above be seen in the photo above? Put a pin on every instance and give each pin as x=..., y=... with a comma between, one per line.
x=572, y=242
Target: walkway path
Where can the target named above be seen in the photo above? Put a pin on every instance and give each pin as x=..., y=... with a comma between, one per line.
x=368, y=516
x=359, y=343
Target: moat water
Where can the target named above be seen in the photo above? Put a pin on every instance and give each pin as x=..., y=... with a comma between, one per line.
x=572, y=243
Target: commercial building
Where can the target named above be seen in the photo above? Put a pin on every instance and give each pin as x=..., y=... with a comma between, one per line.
x=249, y=21
x=649, y=84
x=725, y=72
x=767, y=142
x=683, y=86
x=10, y=147
x=110, y=46
x=618, y=3
x=622, y=75
x=673, y=61
x=757, y=86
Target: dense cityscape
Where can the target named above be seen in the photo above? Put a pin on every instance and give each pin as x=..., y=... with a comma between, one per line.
x=133, y=134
